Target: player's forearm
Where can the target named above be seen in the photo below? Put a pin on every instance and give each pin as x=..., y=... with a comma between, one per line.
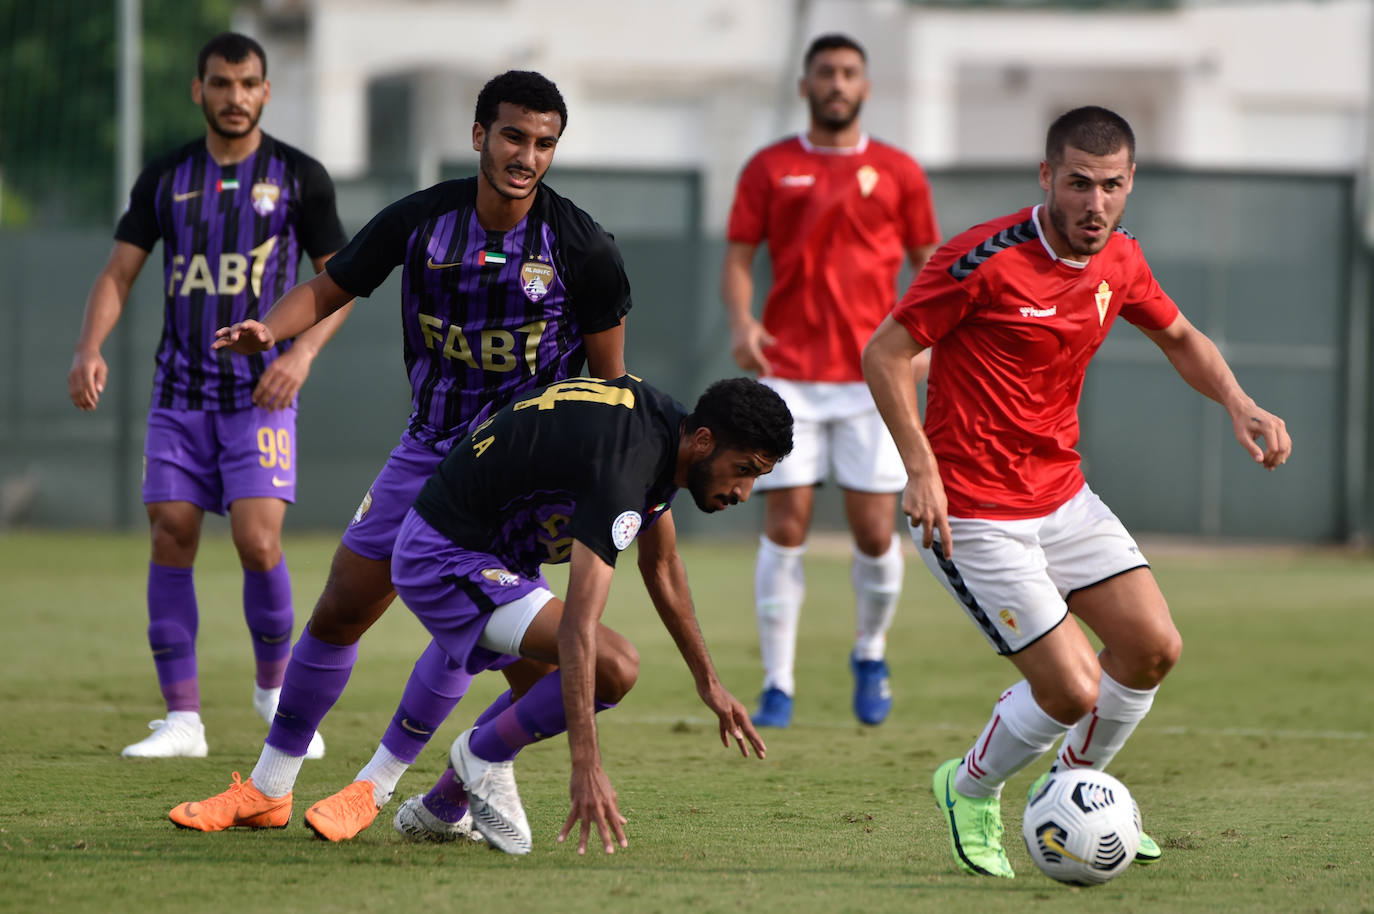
x=1200, y=363
x=737, y=286
x=589, y=584
x=104, y=305
x=304, y=306
x=666, y=582
x=313, y=340
x=887, y=367
x=577, y=672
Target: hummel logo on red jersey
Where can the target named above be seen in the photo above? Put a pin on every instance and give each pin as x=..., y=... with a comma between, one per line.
x=797, y=180
x=1039, y=312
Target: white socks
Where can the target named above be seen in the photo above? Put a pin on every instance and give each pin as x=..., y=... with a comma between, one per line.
x=276, y=772
x=1097, y=738
x=384, y=771
x=1018, y=734
x=877, y=585
x=779, y=587
x=265, y=702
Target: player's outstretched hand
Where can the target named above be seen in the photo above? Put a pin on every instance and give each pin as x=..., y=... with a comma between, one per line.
x=924, y=501
x=746, y=345
x=282, y=380
x=245, y=338
x=594, y=801
x=86, y=379
x=734, y=720
x=1255, y=425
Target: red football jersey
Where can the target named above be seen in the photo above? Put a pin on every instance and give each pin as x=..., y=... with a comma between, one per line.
x=838, y=222
x=1013, y=328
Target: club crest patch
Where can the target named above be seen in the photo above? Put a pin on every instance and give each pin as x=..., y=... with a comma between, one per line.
x=868, y=179
x=625, y=528
x=536, y=276
x=265, y=197
x=1103, y=297
x=363, y=508
x=1009, y=620
x=501, y=576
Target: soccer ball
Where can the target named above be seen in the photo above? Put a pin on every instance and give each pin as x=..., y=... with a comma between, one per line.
x=1082, y=827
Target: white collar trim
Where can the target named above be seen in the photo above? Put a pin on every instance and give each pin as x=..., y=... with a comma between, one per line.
x=834, y=150
x=1035, y=217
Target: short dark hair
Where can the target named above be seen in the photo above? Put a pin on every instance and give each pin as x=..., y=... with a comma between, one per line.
x=233, y=47
x=526, y=88
x=829, y=42
x=1094, y=130
x=746, y=415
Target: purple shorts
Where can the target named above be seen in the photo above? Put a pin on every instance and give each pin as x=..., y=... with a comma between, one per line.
x=212, y=458
x=372, y=531
x=453, y=591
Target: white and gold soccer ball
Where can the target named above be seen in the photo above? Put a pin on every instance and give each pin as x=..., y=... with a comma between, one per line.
x=1082, y=827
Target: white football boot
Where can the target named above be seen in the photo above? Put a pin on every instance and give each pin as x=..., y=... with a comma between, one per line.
x=415, y=822
x=181, y=735
x=492, y=798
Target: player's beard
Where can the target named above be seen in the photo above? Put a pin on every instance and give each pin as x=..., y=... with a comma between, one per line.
x=213, y=121
x=1060, y=220
x=699, y=478
x=821, y=118
x=487, y=164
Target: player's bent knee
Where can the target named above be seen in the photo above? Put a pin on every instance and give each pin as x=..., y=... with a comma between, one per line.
x=617, y=671
x=1070, y=699
x=1158, y=658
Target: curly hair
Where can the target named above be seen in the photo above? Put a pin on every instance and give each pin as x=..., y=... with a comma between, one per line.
x=525, y=88
x=745, y=415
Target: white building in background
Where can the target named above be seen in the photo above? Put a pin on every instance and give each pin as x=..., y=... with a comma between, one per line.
x=1278, y=85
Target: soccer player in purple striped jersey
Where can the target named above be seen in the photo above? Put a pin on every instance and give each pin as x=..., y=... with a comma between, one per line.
x=235, y=210
x=505, y=286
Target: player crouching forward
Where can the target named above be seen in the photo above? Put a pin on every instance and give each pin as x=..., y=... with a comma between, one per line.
x=575, y=472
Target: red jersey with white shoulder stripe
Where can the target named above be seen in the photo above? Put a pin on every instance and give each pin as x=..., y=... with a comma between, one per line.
x=838, y=222
x=1013, y=328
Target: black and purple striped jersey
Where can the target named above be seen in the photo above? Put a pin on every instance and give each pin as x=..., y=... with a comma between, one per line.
x=486, y=315
x=232, y=241
x=583, y=459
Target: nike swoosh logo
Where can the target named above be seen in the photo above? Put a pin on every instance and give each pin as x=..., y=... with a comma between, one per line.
x=191, y=813
x=418, y=731
x=177, y=198
x=442, y=266
x=949, y=802
x=280, y=483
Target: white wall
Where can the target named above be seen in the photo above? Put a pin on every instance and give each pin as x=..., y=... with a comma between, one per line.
x=650, y=83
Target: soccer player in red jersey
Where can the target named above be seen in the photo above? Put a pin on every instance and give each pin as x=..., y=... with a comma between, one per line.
x=995, y=491
x=840, y=211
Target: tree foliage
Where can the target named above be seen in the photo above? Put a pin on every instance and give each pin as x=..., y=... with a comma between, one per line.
x=59, y=100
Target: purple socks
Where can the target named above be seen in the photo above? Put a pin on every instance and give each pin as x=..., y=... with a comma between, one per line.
x=435, y=687
x=267, y=610
x=315, y=678
x=538, y=714
x=172, y=623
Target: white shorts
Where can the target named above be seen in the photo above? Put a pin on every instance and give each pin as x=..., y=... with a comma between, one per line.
x=509, y=621
x=835, y=428
x=1012, y=576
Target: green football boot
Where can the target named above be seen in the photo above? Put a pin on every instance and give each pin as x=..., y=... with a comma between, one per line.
x=1148, y=851
x=975, y=826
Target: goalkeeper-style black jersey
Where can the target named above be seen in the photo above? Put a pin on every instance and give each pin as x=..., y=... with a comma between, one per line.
x=581, y=459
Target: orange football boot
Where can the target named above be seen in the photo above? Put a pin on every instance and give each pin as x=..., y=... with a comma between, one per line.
x=343, y=815
x=241, y=806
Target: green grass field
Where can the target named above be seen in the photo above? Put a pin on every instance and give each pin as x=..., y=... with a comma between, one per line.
x=1253, y=772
